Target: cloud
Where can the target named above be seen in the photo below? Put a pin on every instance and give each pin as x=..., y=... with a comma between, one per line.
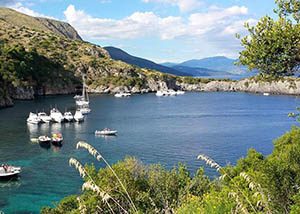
x=19, y=6
x=148, y=24
x=184, y=5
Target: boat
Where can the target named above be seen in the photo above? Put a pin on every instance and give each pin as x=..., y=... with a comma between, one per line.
x=266, y=94
x=78, y=116
x=171, y=93
x=44, y=139
x=57, y=139
x=167, y=93
x=179, y=92
x=44, y=117
x=106, y=131
x=160, y=93
x=34, y=140
x=56, y=115
x=85, y=110
x=83, y=100
x=33, y=118
x=68, y=116
x=122, y=94
x=8, y=172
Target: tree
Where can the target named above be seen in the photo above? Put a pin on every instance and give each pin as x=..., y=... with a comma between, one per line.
x=272, y=47
x=287, y=8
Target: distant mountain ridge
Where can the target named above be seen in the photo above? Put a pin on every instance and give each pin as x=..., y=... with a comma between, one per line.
x=119, y=54
x=217, y=63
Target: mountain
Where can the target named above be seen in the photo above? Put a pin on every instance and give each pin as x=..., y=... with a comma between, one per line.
x=169, y=64
x=218, y=63
x=40, y=24
x=118, y=54
x=201, y=72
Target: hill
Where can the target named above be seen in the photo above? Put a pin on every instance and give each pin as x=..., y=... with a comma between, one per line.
x=200, y=72
x=118, y=54
x=40, y=24
x=38, y=57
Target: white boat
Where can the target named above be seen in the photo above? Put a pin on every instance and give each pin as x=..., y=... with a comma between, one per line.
x=83, y=100
x=171, y=93
x=85, y=110
x=106, y=131
x=179, y=92
x=78, y=116
x=44, y=139
x=44, y=117
x=33, y=118
x=7, y=171
x=56, y=115
x=77, y=97
x=266, y=94
x=160, y=93
x=122, y=94
x=68, y=116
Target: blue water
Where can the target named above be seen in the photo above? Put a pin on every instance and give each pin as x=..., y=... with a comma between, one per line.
x=154, y=129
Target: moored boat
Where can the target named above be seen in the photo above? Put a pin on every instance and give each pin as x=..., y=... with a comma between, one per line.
x=57, y=139
x=56, y=115
x=33, y=118
x=122, y=94
x=44, y=117
x=68, y=116
x=78, y=116
x=266, y=94
x=85, y=110
x=106, y=131
x=44, y=139
x=8, y=172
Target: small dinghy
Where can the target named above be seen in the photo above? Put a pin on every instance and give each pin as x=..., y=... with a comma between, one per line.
x=8, y=172
x=44, y=139
x=106, y=131
x=57, y=139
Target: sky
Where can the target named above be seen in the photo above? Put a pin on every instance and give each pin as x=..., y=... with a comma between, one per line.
x=159, y=30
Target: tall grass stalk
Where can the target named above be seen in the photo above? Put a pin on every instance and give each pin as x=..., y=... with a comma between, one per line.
x=99, y=157
x=213, y=164
x=91, y=184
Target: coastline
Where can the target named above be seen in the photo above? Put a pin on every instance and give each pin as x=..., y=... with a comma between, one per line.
x=284, y=86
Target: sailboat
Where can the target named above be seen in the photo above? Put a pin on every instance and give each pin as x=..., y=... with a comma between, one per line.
x=82, y=102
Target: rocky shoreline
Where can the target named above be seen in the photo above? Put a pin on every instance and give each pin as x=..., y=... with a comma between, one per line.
x=285, y=86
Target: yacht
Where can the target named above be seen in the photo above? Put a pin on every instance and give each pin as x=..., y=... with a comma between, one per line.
x=106, y=131
x=179, y=92
x=266, y=94
x=68, y=116
x=8, y=172
x=56, y=115
x=44, y=117
x=33, y=118
x=122, y=94
x=78, y=116
x=159, y=93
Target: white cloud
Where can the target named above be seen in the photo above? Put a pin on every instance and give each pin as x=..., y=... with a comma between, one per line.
x=148, y=24
x=184, y=5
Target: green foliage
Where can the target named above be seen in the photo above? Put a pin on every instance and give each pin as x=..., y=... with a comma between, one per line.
x=272, y=47
x=256, y=184
x=287, y=8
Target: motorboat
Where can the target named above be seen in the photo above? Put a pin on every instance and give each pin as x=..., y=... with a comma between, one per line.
x=122, y=94
x=179, y=92
x=106, y=131
x=8, y=172
x=34, y=140
x=68, y=116
x=266, y=94
x=76, y=97
x=78, y=116
x=171, y=93
x=44, y=139
x=33, y=118
x=160, y=93
x=85, y=110
x=57, y=139
x=44, y=117
x=56, y=115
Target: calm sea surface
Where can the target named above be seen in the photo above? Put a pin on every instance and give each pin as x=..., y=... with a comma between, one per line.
x=154, y=129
